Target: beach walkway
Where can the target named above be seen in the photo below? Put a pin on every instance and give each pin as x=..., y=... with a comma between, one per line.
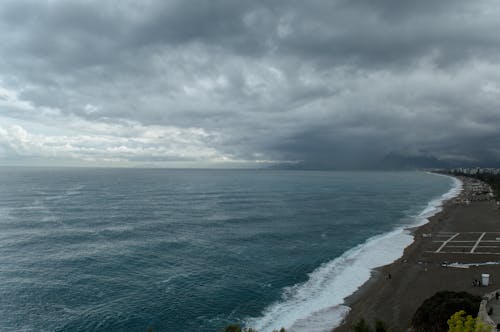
x=495, y=315
x=489, y=310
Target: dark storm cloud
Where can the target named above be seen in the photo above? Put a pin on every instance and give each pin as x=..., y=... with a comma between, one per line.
x=338, y=83
x=390, y=33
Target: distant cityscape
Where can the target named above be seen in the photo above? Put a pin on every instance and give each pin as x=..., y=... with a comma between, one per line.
x=481, y=183
x=474, y=170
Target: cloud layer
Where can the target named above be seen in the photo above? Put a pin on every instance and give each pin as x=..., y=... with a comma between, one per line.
x=339, y=83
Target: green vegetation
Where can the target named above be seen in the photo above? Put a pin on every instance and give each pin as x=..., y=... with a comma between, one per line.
x=433, y=314
x=492, y=179
x=234, y=328
x=458, y=322
x=362, y=326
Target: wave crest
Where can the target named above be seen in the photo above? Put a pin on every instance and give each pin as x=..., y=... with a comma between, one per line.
x=317, y=304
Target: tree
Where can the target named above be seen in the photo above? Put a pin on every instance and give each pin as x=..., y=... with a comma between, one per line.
x=433, y=314
x=362, y=326
x=232, y=328
x=380, y=326
x=458, y=322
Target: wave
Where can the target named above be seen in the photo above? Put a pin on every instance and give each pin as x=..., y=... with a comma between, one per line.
x=317, y=305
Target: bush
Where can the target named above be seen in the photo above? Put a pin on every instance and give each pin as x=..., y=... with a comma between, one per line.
x=232, y=328
x=433, y=314
x=458, y=322
x=362, y=326
x=380, y=326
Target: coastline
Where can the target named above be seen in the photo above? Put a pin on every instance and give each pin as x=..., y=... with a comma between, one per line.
x=342, y=278
x=394, y=291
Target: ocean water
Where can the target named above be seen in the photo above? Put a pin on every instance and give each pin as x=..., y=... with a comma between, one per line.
x=195, y=250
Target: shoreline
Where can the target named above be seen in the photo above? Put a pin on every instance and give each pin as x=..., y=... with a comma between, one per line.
x=343, y=277
x=395, y=290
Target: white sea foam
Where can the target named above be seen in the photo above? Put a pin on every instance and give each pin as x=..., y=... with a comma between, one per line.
x=317, y=304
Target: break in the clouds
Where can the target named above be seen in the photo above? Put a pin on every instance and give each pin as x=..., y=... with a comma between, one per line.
x=198, y=83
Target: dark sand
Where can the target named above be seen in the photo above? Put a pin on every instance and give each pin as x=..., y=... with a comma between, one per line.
x=419, y=274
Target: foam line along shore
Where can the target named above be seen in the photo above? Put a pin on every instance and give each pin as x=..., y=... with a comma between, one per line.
x=427, y=266
x=319, y=303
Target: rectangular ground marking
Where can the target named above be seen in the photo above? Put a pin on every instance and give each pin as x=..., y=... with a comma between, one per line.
x=460, y=241
x=446, y=242
x=466, y=253
x=477, y=242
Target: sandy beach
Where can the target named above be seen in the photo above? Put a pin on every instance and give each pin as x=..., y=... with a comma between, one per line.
x=422, y=270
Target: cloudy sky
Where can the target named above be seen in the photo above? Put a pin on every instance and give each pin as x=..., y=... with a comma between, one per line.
x=232, y=83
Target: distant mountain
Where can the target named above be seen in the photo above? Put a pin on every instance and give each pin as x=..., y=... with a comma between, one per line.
x=391, y=161
x=396, y=161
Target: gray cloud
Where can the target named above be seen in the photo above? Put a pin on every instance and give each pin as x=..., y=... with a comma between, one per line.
x=339, y=83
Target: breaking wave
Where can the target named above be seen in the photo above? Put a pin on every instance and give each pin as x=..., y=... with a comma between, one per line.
x=317, y=305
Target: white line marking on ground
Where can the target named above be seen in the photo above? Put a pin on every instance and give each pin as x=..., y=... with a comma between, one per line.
x=457, y=241
x=446, y=242
x=449, y=233
x=465, y=253
x=477, y=242
x=479, y=247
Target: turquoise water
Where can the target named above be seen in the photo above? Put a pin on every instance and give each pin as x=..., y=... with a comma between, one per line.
x=194, y=250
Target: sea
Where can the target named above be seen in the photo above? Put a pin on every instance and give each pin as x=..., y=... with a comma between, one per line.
x=195, y=250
